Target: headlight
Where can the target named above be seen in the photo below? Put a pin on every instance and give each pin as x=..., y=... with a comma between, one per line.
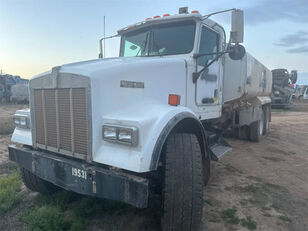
x=277, y=93
x=21, y=121
x=120, y=134
x=109, y=133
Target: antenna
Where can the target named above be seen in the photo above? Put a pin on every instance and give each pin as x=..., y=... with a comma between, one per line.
x=104, y=36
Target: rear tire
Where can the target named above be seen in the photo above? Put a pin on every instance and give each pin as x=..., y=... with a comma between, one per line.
x=183, y=186
x=37, y=184
x=266, y=120
x=243, y=133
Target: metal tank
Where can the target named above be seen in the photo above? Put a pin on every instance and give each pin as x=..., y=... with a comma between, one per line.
x=245, y=79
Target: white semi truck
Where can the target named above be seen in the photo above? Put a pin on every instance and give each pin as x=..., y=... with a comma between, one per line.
x=150, y=120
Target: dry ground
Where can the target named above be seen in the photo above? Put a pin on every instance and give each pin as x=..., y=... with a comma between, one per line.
x=266, y=181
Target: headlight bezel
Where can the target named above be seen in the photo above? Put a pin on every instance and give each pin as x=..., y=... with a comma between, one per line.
x=21, y=121
x=131, y=131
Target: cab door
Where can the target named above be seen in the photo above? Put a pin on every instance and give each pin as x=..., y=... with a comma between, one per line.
x=208, y=86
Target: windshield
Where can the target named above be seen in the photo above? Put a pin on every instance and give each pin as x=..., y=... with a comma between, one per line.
x=163, y=39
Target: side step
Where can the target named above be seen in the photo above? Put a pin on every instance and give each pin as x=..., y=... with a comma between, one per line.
x=218, y=146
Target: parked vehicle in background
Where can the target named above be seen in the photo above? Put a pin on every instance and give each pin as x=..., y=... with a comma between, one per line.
x=283, y=88
x=305, y=95
x=150, y=120
x=299, y=92
x=9, y=92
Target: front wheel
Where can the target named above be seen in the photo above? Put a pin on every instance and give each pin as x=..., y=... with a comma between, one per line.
x=183, y=184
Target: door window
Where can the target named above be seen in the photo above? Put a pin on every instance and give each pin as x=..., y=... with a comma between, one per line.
x=209, y=43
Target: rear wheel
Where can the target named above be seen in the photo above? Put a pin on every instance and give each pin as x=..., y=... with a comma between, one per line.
x=266, y=120
x=243, y=132
x=183, y=184
x=37, y=184
x=256, y=129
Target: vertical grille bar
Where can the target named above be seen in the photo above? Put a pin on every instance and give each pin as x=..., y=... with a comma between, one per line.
x=38, y=110
x=72, y=120
x=57, y=119
x=80, y=120
x=50, y=117
x=44, y=117
x=64, y=119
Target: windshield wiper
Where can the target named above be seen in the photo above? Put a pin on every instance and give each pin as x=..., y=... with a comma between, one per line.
x=142, y=48
x=153, y=44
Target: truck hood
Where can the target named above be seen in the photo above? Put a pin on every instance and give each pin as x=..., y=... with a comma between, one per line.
x=92, y=67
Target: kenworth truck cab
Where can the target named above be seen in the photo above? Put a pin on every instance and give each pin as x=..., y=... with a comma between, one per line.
x=148, y=121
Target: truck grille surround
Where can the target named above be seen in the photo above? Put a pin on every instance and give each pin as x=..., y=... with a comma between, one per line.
x=61, y=120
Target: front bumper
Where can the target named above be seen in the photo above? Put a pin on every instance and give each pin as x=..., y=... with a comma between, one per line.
x=69, y=174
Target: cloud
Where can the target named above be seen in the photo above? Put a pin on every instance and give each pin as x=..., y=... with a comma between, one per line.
x=265, y=11
x=301, y=49
x=290, y=40
x=297, y=43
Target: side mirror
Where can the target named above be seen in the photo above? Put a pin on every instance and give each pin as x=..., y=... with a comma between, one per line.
x=237, y=52
x=237, y=29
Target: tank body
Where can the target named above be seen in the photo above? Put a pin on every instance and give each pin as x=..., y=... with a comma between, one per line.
x=245, y=79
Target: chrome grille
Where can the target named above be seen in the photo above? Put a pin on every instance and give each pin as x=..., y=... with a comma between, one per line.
x=61, y=120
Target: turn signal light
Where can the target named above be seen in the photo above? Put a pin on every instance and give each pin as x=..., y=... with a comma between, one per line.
x=157, y=16
x=195, y=12
x=166, y=15
x=174, y=100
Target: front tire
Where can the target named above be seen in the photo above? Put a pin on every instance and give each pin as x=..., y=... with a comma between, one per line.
x=183, y=184
x=37, y=184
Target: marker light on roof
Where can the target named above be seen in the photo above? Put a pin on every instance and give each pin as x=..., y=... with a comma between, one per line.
x=156, y=16
x=166, y=15
x=195, y=12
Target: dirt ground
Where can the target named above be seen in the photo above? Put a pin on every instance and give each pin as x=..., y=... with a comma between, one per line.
x=266, y=181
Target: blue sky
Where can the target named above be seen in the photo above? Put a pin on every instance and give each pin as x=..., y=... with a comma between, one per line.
x=37, y=35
